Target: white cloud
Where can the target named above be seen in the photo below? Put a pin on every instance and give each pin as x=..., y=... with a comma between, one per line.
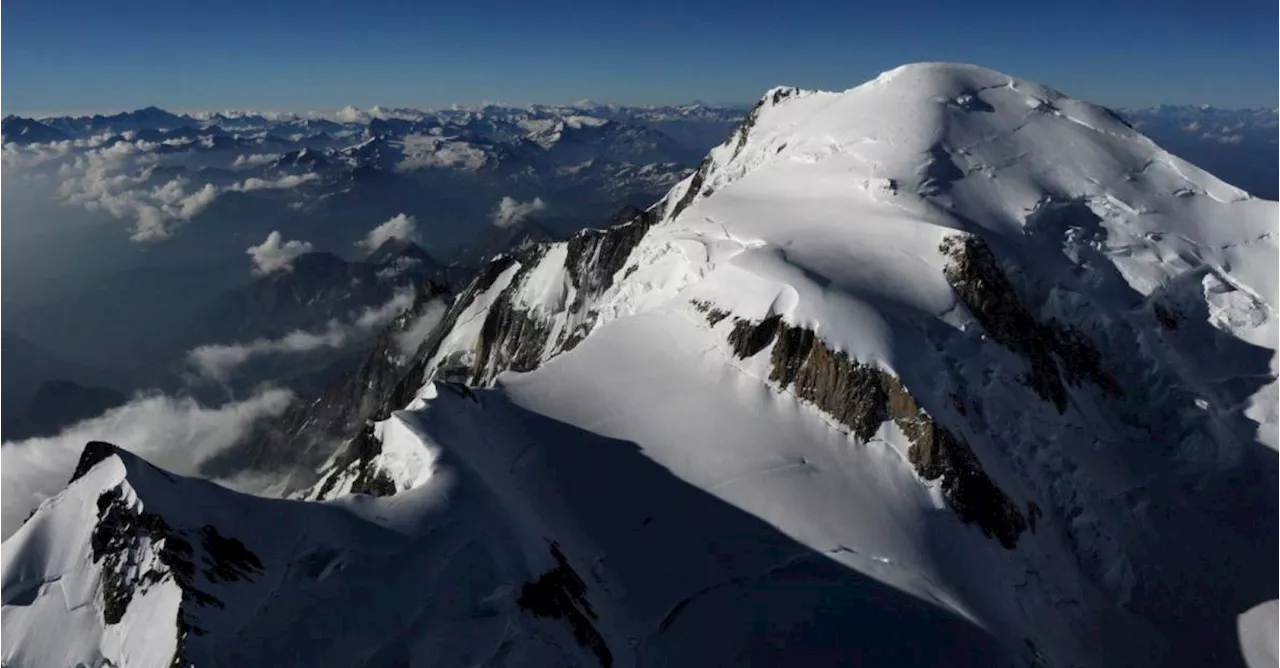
x=287, y=181
x=197, y=201
x=34, y=155
x=413, y=335
x=350, y=114
x=400, y=226
x=275, y=253
x=116, y=179
x=176, y=434
x=217, y=362
x=509, y=211
x=254, y=159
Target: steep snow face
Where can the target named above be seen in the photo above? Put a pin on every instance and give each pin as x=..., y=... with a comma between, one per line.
x=1084, y=322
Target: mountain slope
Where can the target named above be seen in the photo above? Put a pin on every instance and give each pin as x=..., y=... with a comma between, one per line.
x=29, y=366
x=319, y=287
x=57, y=404
x=1018, y=266
x=945, y=368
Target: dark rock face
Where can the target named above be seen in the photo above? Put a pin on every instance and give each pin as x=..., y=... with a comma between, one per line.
x=93, y=453
x=413, y=377
x=939, y=454
x=749, y=338
x=560, y=593
x=714, y=315
x=341, y=418
x=862, y=397
x=122, y=537
x=854, y=394
x=511, y=338
x=517, y=340
x=113, y=535
x=307, y=433
x=695, y=187
x=228, y=559
x=594, y=256
x=1053, y=350
x=368, y=480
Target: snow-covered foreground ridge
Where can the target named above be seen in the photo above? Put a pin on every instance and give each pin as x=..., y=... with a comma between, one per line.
x=945, y=369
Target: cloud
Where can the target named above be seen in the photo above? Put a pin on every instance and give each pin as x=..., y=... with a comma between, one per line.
x=377, y=316
x=218, y=362
x=399, y=227
x=117, y=178
x=178, y=434
x=254, y=159
x=275, y=253
x=287, y=181
x=509, y=211
x=350, y=114
x=33, y=155
x=413, y=335
x=1225, y=138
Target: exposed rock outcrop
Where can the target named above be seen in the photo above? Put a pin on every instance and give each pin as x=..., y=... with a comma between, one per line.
x=1053, y=350
x=511, y=338
x=310, y=432
x=862, y=397
x=560, y=593
x=595, y=255
x=136, y=550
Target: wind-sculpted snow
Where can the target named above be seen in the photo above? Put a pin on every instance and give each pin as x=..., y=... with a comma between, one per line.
x=948, y=351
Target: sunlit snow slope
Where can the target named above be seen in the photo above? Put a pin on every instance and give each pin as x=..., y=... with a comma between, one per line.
x=946, y=369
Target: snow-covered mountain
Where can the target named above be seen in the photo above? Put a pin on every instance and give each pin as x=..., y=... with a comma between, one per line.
x=946, y=369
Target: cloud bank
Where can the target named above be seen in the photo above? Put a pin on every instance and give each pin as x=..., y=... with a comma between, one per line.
x=179, y=435
x=509, y=211
x=218, y=362
x=401, y=226
x=126, y=178
x=275, y=253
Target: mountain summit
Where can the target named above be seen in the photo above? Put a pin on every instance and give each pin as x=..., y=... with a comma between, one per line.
x=945, y=369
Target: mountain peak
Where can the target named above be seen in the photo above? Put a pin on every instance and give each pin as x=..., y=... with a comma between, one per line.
x=94, y=453
x=395, y=248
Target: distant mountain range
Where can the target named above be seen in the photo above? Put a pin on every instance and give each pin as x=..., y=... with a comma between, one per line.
x=1237, y=145
x=201, y=188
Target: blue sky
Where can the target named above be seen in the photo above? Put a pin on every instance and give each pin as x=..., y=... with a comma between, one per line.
x=80, y=56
